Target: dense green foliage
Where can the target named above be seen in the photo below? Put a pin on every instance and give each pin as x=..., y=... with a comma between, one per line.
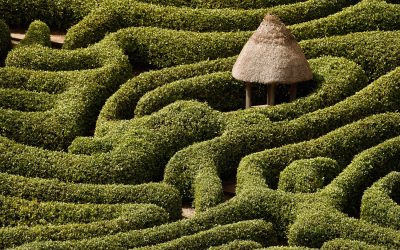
x=94, y=156
x=5, y=40
x=56, y=13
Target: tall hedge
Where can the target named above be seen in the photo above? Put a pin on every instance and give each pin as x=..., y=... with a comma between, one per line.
x=5, y=40
x=380, y=203
x=223, y=153
x=159, y=194
x=60, y=14
x=114, y=15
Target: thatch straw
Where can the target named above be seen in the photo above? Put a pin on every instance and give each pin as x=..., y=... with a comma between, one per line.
x=272, y=55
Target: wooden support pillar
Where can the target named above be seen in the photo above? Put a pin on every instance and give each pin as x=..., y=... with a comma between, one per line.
x=293, y=92
x=271, y=89
x=248, y=95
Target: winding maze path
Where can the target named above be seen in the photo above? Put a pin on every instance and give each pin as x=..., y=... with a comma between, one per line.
x=93, y=157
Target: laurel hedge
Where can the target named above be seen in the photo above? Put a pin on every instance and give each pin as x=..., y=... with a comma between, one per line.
x=159, y=194
x=121, y=104
x=26, y=101
x=225, y=152
x=248, y=4
x=264, y=167
x=219, y=90
x=238, y=245
x=339, y=244
x=150, y=141
x=80, y=94
x=308, y=175
x=115, y=15
x=5, y=41
x=365, y=169
x=38, y=33
x=256, y=230
x=60, y=14
x=380, y=203
x=26, y=221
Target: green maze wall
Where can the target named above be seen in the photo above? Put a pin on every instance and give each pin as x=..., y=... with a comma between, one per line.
x=93, y=156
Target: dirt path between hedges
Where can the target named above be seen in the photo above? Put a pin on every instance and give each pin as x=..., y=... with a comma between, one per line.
x=57, y=37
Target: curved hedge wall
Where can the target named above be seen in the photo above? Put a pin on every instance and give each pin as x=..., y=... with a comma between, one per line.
x=5, y=40
x=114, y=15
x=343, y=131
x=380, y=203
x=59, y=14
x=224, y=152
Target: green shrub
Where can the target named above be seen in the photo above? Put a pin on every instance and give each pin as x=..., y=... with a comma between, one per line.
x=5, y=40
x=322, y=223
x=225, y=152
x=341, y=144
x=374, y=51
x=367, y=15
x=257, y=230
x=80, y=93
x=20, y=212
x=26, y=101
x=366, y=168
x=32, y=220
x=38, y=33
x=159, y=194
x=308, y=175
x=121, y=104
x=378, y=206
x=114, y=15
x=247, y=4
x=238, y=245
x=342, y=244
x=60, y=14
x=140, y=149
x=219, y=90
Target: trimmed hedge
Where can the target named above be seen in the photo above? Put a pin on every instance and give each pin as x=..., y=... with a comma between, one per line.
x=367, y=15
x=378, y=205
x=157, y=47
x=26, y=101
x=140, y=149
x=345, y=192
x=247, y=4
x=238, y=245
x=60, y=14
x=238, y=209
x=219, y=90
x=20, y=212
x=5, y=41
x=375, y=52
x=114, y=15
x=159, y=194
x=322, y=223
x=38, y=33
x=256, y=230
x=224, y=153
x=80, y=93
x=121, y=104
x=308, y=175
x=341, y=144
x=34, y=221
x=342, y=244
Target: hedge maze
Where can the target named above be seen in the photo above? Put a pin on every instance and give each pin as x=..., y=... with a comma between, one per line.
x=94, y=156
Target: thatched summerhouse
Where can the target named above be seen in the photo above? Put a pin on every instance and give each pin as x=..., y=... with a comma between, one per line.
x=271, y=56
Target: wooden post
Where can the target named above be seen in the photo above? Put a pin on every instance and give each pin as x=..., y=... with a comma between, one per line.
x=248, y=95
x=271, y=88
x=293, y=92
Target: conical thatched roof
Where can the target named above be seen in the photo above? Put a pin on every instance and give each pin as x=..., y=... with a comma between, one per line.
x=272, y=55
